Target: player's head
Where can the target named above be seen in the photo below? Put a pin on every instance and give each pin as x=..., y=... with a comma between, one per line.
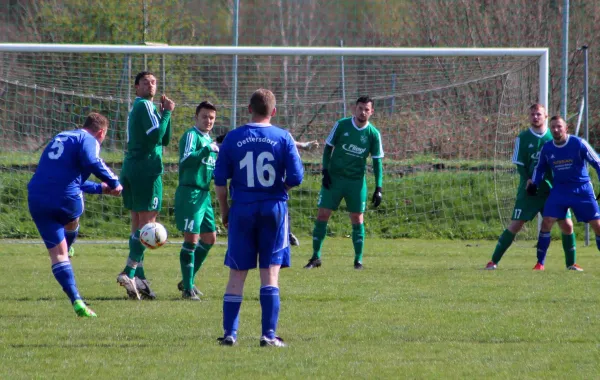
x=145, y=85
x=363, y=109
x=558, y=128
x=96, y=125
x=262, y=104
x=206, y=113
x=537, y=115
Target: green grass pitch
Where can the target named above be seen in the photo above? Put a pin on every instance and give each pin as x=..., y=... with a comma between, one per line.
x=420, y=309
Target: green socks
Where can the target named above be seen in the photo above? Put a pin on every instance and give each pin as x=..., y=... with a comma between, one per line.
x=504, y=241
x=319, y=233
x=139, y=270
x=358, y=240
x=568, y=243
x=186, y=260
x=136, y=254
x=200, y=255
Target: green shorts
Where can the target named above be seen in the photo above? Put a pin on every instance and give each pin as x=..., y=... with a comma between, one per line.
x=353, y=191
x=527, y=207
x=142, y=193
x=193, y=210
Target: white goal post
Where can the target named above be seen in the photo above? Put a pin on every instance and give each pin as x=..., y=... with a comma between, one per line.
x=448, y=118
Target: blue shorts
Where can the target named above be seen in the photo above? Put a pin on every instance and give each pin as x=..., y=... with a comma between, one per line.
x=51, y=215
x=580, y=199
x=258, y=232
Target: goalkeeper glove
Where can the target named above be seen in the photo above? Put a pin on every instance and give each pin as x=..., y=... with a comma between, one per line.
x=531, y=189
x=326, y=182
x=377, y=197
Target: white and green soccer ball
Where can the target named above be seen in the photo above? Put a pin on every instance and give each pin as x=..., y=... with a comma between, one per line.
x=153, y=235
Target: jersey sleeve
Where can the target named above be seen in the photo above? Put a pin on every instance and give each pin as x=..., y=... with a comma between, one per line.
x=168, y=134
x=90, y=159
x=224, y=165
x=376, y=146
x=332, y=138
x=154, y=127
x=189, y=155
x=518, y=158
x=91, y=187
x=590, y=155
x=294, y=170
x=540, y=168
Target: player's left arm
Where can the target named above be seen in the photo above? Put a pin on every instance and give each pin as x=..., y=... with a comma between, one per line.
x=377, y=156
x=168, y=134
x=590, y=155
x=308, y=145
x=90, y=158
x=294, y=170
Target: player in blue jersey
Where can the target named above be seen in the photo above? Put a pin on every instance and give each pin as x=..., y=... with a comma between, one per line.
x=566, y=155
x=55, y=195
x=262, y=164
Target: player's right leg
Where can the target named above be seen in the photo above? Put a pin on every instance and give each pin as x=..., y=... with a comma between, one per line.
x=50, y=220
x=526, y=209
x=240, y=257
x=329, y=201
x=143, y=196
x=555, y=208
x=188, y=217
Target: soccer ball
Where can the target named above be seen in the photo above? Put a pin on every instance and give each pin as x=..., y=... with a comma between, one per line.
x=153, y=235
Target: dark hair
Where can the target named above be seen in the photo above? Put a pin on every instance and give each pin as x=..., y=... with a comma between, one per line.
x=141, y=75
x=205, y=104
x=364, y=99
x=262, y=102
x=95, y=122
x=557, y=118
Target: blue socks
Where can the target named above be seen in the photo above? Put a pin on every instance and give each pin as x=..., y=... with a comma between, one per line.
x=70, y=236
x=598, y=242
x=231, y=314
x=542, y=246
x=63, y=272
x=269, y=302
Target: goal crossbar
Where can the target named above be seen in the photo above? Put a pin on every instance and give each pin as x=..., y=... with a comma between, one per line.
x=542, y=54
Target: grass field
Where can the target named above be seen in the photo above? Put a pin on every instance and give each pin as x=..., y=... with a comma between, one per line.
x=420, y=309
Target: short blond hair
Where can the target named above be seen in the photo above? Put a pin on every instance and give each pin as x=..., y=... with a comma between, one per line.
x=262, y=102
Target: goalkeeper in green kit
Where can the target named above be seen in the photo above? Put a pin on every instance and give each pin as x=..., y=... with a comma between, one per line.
x=526, y=156
x=347, y=147
x=194, y=213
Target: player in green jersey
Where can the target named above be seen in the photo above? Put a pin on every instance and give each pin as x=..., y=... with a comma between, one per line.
x=526, y=156
x=344, y=166
x=193, y=207
x=148, y=131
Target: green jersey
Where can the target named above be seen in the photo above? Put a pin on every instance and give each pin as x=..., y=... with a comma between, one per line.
x=147, y=132
x=526, y=156
x=351, y=147
x=196, y=159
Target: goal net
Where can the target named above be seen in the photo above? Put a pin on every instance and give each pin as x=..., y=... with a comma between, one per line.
x=448, y=119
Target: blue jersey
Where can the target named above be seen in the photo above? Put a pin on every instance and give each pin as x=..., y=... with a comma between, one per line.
x=66, y=164
x=260, y=159
x=567, y=163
